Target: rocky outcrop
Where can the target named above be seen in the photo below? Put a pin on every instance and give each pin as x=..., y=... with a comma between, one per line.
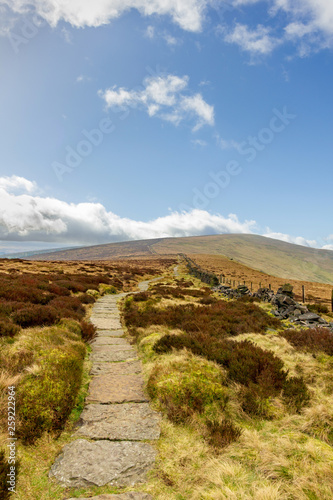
x=286, y=305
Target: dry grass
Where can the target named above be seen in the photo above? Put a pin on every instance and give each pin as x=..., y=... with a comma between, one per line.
x=234, y=271
x=284, y=455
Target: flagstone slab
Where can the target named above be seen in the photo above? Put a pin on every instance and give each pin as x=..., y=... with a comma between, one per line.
x=109, y=341
x=121, y=368
x=130, y=495
x=111, y=348
x=110, y=333
x=130, y=422
x=115, y=355
x=84, y=463
x=107, y=323
x=115, y=388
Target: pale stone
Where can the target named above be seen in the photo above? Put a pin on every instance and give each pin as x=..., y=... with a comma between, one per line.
x=131, y=422
x=116, y=388
x=83, y=463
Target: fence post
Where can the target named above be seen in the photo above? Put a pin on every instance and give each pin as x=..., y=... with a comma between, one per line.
x=260, y=284
x=303, y=294
x=270, y=286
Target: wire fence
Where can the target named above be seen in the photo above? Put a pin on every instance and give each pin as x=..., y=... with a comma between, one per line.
x=302, y=293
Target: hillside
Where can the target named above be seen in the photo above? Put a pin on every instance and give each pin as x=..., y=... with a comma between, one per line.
x=271, y=256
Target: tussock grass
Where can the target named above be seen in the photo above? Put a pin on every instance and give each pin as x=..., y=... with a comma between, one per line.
x=284, y=447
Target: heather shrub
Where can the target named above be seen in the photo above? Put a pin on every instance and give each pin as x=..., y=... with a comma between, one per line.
x=68, y=307
x=168, y=292
x=318, y=308
x=219, y=319
x=207, y=300
x=8, y=329
x=58, y=290
x=71, y=286
x=311, y=340
x=36, y=315
x=246, y=363
x=141, y=297
x=255, y=401
x=184, y=283
x=221, y=433
x=295, y=393
x=88, y=331
x=86, y=298
x=171, y=342
x=45, y=400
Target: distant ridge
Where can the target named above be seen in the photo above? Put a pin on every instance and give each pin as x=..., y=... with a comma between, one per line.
x=31, y=253
x=271, y=256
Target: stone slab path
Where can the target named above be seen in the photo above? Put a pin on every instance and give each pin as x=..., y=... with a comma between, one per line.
x=117, y=421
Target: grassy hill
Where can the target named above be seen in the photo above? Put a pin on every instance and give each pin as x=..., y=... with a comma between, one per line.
x=271, y=256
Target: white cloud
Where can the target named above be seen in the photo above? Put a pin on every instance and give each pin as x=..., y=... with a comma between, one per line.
x=150, y=32
x=327, y=247
x=257, y=41
x=27, y=217
x=297, y=240
x=15, y=183
x=227, y=143
x=162, y=96
x=171, y=40
x=188, y=14
x=34, y=218
x=317, y=14
x=82, y=79
x=198, y=107
x=199, y=142
x=306, y=23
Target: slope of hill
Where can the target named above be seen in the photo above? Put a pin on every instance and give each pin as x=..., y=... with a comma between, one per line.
x=271, y=256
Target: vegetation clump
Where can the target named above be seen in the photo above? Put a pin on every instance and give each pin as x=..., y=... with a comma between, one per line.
x=220, y=319
x=47, y=394
x=188, y=389
x=8, y=328
x=311, y=340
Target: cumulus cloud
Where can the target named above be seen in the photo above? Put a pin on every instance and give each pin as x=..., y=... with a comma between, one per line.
x=227, y=143
x=297, y=240
x=15, y=183
x=163, y=96
x=188, y=14
x=255, y=41
x=306, y=23
x=26, y=217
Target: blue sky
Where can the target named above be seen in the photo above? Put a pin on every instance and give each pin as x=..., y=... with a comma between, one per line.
x=145, y=119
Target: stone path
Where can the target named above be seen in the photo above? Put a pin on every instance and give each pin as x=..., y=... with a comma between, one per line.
x=117, y=420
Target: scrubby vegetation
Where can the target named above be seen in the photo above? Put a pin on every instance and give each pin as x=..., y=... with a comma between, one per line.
x=247, y=404
x=312, y=340
x=44, y=337
x=219, y=319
